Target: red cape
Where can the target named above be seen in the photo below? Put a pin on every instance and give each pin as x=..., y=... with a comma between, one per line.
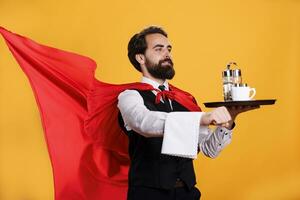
x=87, y=148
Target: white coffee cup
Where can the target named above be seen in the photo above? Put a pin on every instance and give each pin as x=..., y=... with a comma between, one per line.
x=241, y=92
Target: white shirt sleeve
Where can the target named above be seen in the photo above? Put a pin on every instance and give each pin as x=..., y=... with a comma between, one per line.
x=138, y=117
x=181, y=132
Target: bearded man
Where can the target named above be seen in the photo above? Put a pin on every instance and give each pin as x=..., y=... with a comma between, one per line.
x=162, y=133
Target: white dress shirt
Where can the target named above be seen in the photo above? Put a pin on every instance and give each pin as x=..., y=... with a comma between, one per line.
x=181, y=131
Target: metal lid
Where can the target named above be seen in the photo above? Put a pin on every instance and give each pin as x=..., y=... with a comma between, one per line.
x=240, y=85
x=231, y=63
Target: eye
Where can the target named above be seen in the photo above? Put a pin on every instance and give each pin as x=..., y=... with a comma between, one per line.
x=158, y=49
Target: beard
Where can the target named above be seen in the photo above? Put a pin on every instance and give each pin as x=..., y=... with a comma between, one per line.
x=163, y=70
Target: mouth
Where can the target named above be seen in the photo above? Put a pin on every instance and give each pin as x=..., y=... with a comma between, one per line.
x=168, y=61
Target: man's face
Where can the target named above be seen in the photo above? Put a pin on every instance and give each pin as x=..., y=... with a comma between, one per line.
x=158, y=60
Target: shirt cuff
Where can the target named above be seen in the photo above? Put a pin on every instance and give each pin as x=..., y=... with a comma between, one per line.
x=224, y=136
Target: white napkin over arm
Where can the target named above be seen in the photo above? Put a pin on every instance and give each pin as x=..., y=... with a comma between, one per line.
x=181, y=133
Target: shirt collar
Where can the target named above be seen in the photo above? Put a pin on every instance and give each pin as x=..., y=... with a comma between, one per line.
x=154, y=83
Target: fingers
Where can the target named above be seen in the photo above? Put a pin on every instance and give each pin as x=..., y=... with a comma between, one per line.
x=224, y=124
x=220, y=116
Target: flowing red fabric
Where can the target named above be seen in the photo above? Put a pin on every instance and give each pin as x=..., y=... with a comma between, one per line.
x=87, y=148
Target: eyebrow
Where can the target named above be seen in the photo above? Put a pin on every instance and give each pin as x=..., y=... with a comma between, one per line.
x=160, y=45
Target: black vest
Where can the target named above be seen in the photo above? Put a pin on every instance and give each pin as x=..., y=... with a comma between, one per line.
x=148, y=166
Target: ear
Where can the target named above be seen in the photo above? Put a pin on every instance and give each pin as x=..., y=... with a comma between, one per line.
x=140, y=58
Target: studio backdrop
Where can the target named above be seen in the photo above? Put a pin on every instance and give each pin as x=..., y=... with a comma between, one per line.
x=262, y=36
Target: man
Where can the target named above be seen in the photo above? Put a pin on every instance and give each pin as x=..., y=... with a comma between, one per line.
x=158, y=169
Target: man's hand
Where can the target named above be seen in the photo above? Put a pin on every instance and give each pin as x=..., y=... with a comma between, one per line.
x=219, y=116
x=223, y=116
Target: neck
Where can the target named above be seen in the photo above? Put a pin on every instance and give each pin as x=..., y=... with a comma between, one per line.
x=160, y=81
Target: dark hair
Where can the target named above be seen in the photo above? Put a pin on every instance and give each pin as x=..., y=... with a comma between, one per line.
x=138, y=44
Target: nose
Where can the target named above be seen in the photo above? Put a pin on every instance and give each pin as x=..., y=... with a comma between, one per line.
x=167, y=53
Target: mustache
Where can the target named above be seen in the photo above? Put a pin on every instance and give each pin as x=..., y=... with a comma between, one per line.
x=166, y=60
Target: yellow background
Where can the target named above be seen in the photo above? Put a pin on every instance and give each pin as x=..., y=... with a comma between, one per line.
x=262, y=36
